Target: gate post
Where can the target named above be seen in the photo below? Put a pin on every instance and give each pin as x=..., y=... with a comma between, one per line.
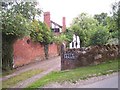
x=62, y=55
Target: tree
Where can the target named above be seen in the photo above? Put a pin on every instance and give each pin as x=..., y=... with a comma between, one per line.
x=101, y=18
x=116, y=18
x=93, y=30
x=100, y=37
x=108, y=23
x=27, y=9
x=42, y=34
x=84, y=26
x=14, y=25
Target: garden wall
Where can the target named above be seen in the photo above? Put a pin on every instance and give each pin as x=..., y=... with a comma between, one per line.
x=73, y=58
x=26, y=51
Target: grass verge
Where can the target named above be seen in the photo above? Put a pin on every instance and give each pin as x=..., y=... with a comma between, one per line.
x=77, y=74
x=5, y=73
x=16, y=79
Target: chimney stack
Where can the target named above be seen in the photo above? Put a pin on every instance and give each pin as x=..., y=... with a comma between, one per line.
x=64, y=24
x=47, y=19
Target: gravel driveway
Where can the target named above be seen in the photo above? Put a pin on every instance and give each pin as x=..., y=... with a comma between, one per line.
x=47, y=66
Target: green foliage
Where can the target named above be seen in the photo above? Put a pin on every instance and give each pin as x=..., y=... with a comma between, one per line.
x=95, y=30
x=60, y=39
x=12, y=28
x=109, y=23
x=42, y=34
x=101, y=18
x=69, y=35
x=15, y=21
x=116, y=17
x=64, y=37
x=15, y=25
x=84, y=26
x=27, y=9
x=100, y=37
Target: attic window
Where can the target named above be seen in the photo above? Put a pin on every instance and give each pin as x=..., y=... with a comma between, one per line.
x=28, y=41
x=56, y=29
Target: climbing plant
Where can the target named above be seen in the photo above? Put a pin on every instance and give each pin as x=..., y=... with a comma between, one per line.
x=42, y=34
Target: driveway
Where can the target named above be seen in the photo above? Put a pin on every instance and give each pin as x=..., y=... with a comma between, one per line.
x=53, y=64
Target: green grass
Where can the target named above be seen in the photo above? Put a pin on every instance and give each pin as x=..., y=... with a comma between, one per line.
x=16, y=79
x=77, y=74
x=5, y=73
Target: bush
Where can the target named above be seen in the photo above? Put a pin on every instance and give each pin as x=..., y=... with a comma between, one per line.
x=100, y=37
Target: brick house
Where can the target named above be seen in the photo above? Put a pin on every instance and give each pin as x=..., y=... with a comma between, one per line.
x=26, y=51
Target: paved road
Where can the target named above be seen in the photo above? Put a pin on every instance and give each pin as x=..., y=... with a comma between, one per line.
x=111, y=82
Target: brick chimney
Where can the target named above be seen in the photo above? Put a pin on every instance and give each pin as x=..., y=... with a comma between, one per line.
x=64, y=24
x=47, y=19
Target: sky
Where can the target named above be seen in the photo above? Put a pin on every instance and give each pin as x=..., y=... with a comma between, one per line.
x=72, y=8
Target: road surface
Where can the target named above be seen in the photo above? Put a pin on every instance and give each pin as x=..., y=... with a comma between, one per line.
x=105, y=81
x=111, y=82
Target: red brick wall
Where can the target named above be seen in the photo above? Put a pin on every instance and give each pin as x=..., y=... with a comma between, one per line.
x=25, y=53
x=53, y=50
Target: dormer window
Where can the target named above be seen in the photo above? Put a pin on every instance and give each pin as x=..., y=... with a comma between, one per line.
x=56, y=29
